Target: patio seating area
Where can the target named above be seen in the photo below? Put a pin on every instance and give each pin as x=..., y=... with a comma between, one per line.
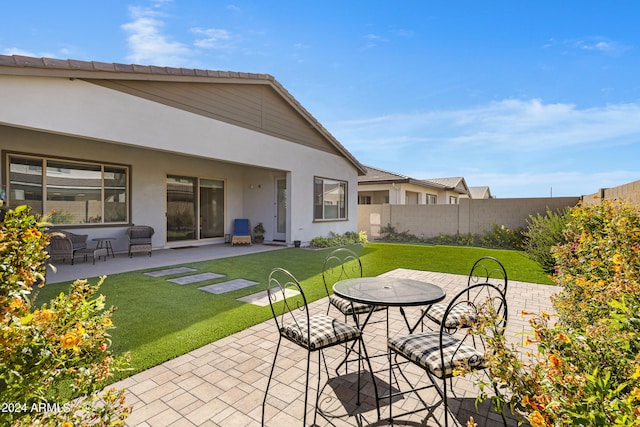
x=223, y=383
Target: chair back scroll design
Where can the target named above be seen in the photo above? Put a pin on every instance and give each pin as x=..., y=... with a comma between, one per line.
x=287, y=301
x=488, y=270
x=340, y=264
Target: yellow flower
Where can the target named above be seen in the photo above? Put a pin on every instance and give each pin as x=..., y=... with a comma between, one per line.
x=617, y=259
x=32, y=233
x=70, y=340
x=537, y=419
x=636, y=374
x=107, y=321
x=67, y=424
x=562, y=337
x=636, y=393
x=555, y=361
x=472, y=422
x=43, y=316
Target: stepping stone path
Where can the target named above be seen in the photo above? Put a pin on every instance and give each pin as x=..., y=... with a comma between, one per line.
x=170, y=271
x=194, y=278
x=231, y=285
x=260, y=298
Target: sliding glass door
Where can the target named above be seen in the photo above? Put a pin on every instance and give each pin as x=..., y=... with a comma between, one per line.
x=189, y=198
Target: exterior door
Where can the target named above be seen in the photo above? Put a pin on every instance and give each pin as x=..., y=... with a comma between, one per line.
x=281, y=210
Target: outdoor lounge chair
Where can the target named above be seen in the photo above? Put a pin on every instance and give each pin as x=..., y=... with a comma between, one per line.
x=140, y=239
x=64, y=244
x=241, y=232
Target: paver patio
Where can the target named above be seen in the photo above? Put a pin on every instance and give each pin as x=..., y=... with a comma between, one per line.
x=222, y=383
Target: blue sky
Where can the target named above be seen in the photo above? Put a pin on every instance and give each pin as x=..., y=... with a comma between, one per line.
x=531, y=98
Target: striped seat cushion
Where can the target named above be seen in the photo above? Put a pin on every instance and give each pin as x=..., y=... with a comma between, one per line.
x=347, y=307
x=460, y=316
x=424, y=350
x=325, y=331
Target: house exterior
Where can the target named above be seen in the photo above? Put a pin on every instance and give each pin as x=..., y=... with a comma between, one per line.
x=99, y=146
x=378, y=186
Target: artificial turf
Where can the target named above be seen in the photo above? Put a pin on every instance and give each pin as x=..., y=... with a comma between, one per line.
x=158, y=320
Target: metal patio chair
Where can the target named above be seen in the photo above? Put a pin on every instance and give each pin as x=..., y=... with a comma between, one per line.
x=340, y=264
x=313, y=333
x=485, y=270
x=440, y=352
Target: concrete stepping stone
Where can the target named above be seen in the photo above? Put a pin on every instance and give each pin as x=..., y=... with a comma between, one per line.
x=231, y=285
x=262, y=299
x=170, y=271
x=194, y=278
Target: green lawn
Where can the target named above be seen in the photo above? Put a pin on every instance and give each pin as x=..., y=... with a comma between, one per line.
x=158, y=320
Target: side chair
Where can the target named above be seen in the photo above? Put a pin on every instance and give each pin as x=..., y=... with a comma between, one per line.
x=440, y=352
x=314, y=333
x=485, y=270
x=341, y=264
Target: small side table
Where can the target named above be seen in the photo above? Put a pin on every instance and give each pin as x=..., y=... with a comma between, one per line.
x=105, y=243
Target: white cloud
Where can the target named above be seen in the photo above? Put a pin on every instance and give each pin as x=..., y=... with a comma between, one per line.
x=18, y=51
x=503, y=125
x=211, y=38
x=148, y=44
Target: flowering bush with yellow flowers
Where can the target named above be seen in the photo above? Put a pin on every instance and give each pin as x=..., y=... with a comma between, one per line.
x=584, y=365
x=55, y=358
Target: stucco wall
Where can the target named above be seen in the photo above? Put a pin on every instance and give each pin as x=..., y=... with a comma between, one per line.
x=109, y=126
x=470, y=216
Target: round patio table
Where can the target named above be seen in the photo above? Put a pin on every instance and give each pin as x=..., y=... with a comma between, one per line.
x=389, y=291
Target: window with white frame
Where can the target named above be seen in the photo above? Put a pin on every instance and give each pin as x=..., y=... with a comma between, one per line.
x=69, y=192
x=453, y=200
x=432, y=199
x=329, y=199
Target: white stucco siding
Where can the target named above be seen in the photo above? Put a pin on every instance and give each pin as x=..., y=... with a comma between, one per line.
x=143, y=133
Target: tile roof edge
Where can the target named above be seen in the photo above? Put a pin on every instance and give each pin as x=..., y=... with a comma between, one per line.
x=21, y=61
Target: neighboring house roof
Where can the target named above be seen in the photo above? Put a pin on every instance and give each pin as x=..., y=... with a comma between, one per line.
x=456, y=183
x=482, y=192
x=379, y=176
x=144, y=81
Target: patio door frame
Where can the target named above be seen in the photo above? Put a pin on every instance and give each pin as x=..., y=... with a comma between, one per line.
x=280, y=206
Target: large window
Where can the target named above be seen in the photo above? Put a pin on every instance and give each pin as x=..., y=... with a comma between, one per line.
x=329, y=199
x=69, y=192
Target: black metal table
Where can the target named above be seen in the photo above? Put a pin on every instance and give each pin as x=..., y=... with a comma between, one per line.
x=389, y=292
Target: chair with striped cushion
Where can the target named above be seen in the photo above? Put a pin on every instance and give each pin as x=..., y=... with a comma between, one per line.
x=440, y=352
x=485, y=270
x=314, y=333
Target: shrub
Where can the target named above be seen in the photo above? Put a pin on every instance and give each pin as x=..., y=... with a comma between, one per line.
x=498, y=237
x=348, y=238
x=542, y=234
x=587, y=367
x=55, y=358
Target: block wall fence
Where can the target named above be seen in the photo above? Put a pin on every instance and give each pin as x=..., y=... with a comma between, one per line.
x=469, y=216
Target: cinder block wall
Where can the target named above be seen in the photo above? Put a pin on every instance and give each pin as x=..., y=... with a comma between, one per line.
x=470, y=216
x=629, y=192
